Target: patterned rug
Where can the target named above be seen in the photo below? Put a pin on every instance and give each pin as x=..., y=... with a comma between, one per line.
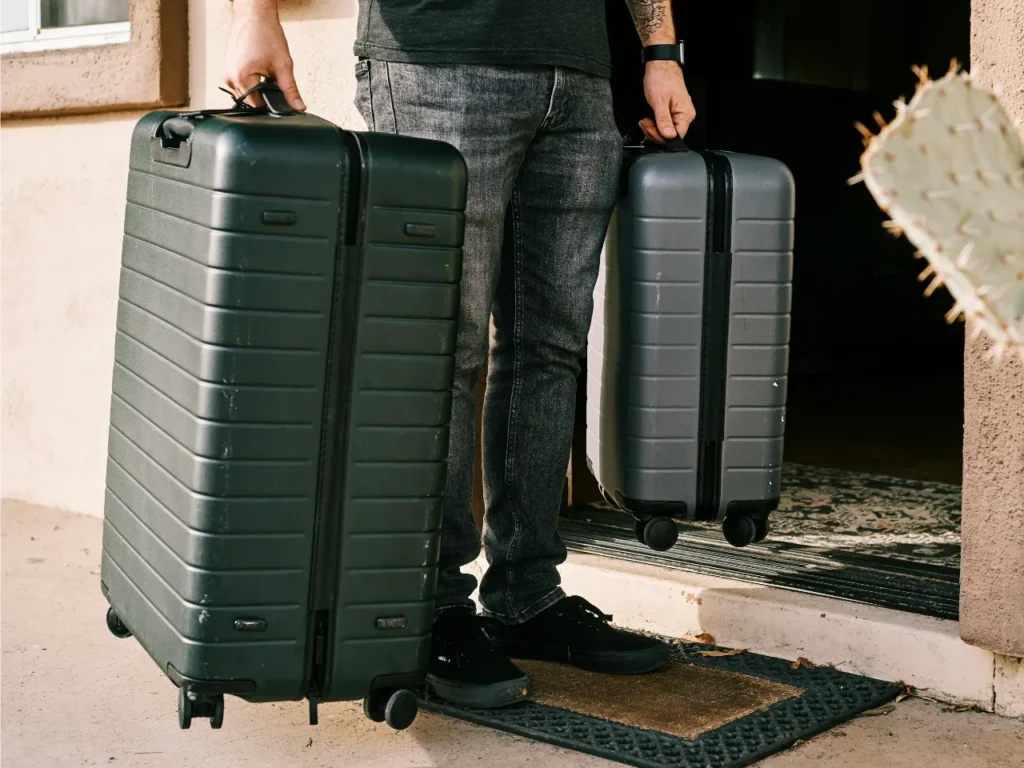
x=869, y=514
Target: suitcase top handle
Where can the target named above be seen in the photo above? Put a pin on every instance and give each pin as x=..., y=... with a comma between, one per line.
x=272, y=94
x=172, y=140
x=670, y=145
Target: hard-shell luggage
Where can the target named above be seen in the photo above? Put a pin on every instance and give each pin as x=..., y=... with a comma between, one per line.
x=281, y=397
x=688, y=352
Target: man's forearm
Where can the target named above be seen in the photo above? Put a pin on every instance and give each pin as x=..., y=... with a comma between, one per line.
x=653, y=20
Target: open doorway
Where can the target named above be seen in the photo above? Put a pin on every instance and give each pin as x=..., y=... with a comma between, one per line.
x=876, y=372
x=875, y=397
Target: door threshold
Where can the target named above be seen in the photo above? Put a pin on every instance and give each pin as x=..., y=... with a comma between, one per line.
x=923, y=588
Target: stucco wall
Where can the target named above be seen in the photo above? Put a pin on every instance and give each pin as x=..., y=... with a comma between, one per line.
x=992, y=570
x=62, y=188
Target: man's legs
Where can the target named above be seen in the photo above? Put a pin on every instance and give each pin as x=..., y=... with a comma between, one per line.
x=560, y=206
x=561, y=202
x=543, y=159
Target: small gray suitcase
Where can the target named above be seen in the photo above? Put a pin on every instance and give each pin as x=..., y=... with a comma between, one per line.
x=688, y=351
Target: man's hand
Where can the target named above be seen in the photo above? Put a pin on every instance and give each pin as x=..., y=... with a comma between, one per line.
x=257, y=47
x=666, y=92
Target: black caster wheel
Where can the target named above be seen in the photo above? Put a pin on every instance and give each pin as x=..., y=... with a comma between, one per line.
x=116, y=626
x=375, y=706
x=638, y=530
x=740, y=531
x=763, y=527
x=184, y=710
x=401, y=709
x=660, y=533
x=217, y=716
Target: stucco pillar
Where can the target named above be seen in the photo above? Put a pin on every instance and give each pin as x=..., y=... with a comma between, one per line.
x=992, y=570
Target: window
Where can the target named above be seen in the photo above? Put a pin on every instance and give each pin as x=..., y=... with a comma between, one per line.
x=823, y=44
x=40, y=25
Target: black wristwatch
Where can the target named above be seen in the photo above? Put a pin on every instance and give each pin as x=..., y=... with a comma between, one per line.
x=663, y=52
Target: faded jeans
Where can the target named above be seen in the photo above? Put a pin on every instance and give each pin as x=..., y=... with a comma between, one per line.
x=543, y=155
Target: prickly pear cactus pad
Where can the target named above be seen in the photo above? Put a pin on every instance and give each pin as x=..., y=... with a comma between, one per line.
x=949, y=171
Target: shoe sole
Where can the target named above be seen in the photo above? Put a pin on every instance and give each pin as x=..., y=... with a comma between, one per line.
x=491, y=696
x=606, y=662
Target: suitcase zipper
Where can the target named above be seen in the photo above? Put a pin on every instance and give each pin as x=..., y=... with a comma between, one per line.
x=714, y=335
x=325, y=565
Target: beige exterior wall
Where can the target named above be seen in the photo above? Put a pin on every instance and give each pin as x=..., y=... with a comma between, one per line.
x=62, y=189
x=992, y=571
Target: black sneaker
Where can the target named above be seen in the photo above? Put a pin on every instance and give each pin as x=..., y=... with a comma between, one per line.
x=572, y=631
x=466, y=670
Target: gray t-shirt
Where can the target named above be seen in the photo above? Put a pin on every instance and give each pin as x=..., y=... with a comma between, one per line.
x=570, y=33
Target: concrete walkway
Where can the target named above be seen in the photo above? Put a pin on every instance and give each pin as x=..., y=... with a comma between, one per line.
x=74, y=695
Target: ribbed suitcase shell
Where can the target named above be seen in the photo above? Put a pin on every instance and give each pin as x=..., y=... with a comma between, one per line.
x=649, y=341
x=281, y=396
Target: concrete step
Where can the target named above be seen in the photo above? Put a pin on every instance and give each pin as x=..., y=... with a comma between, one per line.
x=920, y=651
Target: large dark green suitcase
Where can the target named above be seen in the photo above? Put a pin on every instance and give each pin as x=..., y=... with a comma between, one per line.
x=281, y=396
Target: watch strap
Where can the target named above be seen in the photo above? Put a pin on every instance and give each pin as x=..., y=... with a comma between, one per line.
x=663, y=52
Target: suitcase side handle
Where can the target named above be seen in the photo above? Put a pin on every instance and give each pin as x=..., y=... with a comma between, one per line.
x=172, y=142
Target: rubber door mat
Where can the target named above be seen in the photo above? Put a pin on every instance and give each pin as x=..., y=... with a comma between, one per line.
x=701, y=712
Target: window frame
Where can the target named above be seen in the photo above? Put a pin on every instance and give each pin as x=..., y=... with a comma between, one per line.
x=36, y=38
x=142, y=62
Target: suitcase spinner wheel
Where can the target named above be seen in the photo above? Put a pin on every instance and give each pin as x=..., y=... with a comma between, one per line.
x=205, y=706
x=396, y=708
x=741, y=530
x=116, y=626
x=659, y=533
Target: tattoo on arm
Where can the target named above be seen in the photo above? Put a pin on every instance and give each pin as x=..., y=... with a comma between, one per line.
x=652, y=17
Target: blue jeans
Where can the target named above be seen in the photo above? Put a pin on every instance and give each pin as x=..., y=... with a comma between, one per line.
x=544, y=156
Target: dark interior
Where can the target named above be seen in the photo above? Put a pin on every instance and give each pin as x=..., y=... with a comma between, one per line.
x=876, y=372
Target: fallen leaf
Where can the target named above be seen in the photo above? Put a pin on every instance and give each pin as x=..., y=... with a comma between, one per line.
x=879, y=711
x=716, y=654
x=801, y=662
x=706, y=638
